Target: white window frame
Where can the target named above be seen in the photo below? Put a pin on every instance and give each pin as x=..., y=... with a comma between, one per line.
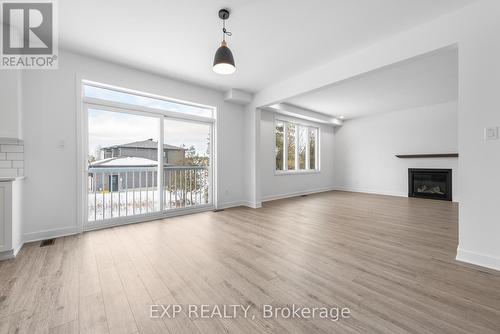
x=308, y=127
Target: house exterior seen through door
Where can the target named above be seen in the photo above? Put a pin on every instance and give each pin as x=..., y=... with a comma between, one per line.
x=146, y=157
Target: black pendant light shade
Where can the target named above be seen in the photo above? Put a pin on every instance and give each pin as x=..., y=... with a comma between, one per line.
x=224, y=60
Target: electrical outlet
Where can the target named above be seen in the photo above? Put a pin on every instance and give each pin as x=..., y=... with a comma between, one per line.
x=491, y=133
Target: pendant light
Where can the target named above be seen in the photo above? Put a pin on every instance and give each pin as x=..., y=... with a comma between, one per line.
x=223, y=60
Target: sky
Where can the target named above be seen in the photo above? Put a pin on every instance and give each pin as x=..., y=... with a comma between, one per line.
x=138, y=100
x=107, y=128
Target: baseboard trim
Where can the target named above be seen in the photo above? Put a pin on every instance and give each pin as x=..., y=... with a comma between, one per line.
x=227, y=205
x=51, y=233
x=295, y=194
x=478, y=259
x=253, y=205
x=7, y=255
x=10, y=254
x=16, y=250
x=369, y=191
x=375, y=192
x=232, y=204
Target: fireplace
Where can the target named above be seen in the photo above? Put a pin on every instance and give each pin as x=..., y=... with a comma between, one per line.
x=429, y=183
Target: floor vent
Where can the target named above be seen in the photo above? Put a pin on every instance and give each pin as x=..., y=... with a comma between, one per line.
x=47, y=242
x=218, y=210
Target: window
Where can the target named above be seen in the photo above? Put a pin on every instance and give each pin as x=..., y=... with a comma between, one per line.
x=278, y=146
x=301, y=149
x=295, y=147
x=313, y=135
x=125, y=133
x=112, y=95
x=291, y=145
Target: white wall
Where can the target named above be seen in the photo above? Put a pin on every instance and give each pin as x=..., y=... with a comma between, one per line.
x=10, y=104
x=365, y=148
x=279, y=186
x=50, y=111
x=252, y=157
x=474, y=29
x=479, y=107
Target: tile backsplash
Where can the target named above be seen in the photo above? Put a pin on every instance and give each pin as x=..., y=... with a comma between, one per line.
x=11, y=157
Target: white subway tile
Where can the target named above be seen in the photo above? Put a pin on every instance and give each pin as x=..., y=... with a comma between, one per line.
x=20, y=172
x=3, y=156
x=8, y=141
x=15, y=156
x=6, y=172
x=11, y=148
x=6, y=164
x=17, y=164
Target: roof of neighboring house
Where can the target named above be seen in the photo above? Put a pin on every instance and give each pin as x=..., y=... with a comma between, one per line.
x=149, y=143
x=124, y=162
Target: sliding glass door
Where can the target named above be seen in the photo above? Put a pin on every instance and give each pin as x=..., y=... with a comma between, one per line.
x=122, y=164
x=143, y=163
x=187, y=172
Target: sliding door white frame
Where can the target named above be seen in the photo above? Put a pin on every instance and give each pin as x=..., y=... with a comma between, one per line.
x=86, y=103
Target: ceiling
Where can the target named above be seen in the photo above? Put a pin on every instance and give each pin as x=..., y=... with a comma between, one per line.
x=272, y=39
x=425, y=80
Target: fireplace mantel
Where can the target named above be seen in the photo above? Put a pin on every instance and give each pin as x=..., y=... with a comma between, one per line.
x=429, y=155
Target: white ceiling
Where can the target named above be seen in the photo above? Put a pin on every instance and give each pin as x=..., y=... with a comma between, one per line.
x=426, y=80
x=272, y=39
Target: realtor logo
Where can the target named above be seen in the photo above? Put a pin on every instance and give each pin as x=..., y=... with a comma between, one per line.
x=28, y=35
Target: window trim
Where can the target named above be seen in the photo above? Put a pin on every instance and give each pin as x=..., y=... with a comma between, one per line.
x=296, y=171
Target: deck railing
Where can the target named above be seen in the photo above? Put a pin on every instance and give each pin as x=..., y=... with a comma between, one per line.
x=120, y=192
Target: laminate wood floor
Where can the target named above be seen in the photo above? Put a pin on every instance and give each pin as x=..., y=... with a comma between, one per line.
x=389, y=260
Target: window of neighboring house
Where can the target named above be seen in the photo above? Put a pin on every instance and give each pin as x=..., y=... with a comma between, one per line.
x=296, y=147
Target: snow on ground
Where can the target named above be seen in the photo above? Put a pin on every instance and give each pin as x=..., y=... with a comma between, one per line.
x=107, y=205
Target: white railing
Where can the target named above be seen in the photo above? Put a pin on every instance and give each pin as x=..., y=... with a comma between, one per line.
x=120, y=192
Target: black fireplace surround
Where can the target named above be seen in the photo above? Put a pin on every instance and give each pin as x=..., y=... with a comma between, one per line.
x=430, y=183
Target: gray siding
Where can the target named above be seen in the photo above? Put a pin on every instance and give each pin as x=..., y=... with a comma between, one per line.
x=173, y=157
